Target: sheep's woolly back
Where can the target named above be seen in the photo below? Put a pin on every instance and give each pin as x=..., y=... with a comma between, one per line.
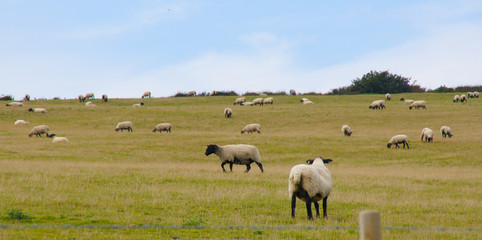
x=14, y=104
x=398, y=139
x=253, y=127
x=37, y=110
x=41, y=129
x=59, y=139
x=258, y=101
x=124, y=125
x=240, y=100
x=239, y=152
x=427, y=132
x=315, y=179
x=268, y=100
x=418, y=104
x=163, y=127
x=21, y=122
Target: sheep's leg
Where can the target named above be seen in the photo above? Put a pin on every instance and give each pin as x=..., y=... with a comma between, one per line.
x=396, y=145
x=308, y=208
x=260, y=166
x=407, y=145
x=324, y=207
x=317, y=208
x=222, y=165
x=248, y=167
x=293, y=206
x=231, y=166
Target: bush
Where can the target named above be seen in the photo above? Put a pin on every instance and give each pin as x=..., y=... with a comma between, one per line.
x=15, y=214
x=6, y=98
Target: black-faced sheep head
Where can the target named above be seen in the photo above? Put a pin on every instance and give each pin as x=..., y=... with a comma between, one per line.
x=30, y=109
x=310, y=161
x=211, y=149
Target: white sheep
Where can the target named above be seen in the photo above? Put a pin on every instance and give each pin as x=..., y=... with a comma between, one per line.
x=253, y=127
x=138, y=105
x=377, y=104
x=39, y=130
x=258, y=101
x=104, y=98
x=398, y=139
x=345, y=129
x=191, y=93
x=248, y=104
x=476, y=94
x=21, y=122
x=146, y=94
x=388, y=96
x=56, y=139
x=463, y=98
x=310, y=183
x=268, y=100
x=306, y=101
x=126, y=125
x=417, y=105
x=90, y=104
x=406, y=100
x=14, y=104
x=89, y=96
x=162, y=127
x=427, y=133
x=470, y=95
x=240, y=100
x=37, y=110
x=228, y=112
x=456, y=99
x=446, y=131
x=292, y=92
x=240, y=154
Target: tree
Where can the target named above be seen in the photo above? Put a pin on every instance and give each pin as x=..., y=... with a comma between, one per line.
x=381, y=82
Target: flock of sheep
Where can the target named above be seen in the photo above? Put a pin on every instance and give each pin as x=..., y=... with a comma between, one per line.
x=309, y=182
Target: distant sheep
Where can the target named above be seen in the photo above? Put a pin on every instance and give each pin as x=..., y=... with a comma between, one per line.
x=104, y=98
x=388, y=96
x=39, y=130
x=21, y=122
x=240, y=100
x=146, y=95
x=398, y=139
x=377, y=104
x=240, y=154
x=37, y=110
x=345, y=129
x=253, y=127
x=292, y=92
x=248, y=104
x=228, y=112
x=14, y=104
x=417, y=105
x=476, y=94
x=90, y=104
x=26, y=98
x=446, y=131
x=463, y=98
x=310, y=183
x=56, y=139
x=126, y=125
x=191, y=94
x=138, y=105
x=161, y=127
x=89, y=96
x=456, y=99
x=268, y=100
x=81, y=98
x=470, y=95
x=406, y=100
x=306, y=101
x=258, y=101
x=427, y=133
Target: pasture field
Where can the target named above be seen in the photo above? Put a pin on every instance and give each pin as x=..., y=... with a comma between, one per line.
x=143, y=185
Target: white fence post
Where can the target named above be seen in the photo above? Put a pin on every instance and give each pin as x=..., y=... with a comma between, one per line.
x=370, y=225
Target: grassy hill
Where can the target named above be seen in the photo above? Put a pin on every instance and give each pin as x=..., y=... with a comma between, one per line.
x=103, y=178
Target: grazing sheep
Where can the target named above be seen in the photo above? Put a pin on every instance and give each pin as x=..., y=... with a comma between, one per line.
x=292, y=92
x=240, y=100
x=228, y=112
x=14, y=104
x=268, y=100
x=310, y=183
x=417, y=105
x=258, y=101
x=240, y=154
x=89, y=96
x=306, y=101
x=388, y=96
x=248, y=104
x=253, y=127
x=104, y=98
x=162, y=127
x=138, y=105
x=476, y=94
x=126, y=125
x=470, y=95
x=406, y=100
x=81, y=98
x=456, y=98
x=37, y=110
x=463, y=98
x=428, y=134
x=346, y=130
x=191, y=93
x=377, y=104
x=39, y=130
x=213, y=92
x=398, y=139
x=21, y=122
x=26, y=98
x=90, y=104
x=446, y=131
x=146, y=94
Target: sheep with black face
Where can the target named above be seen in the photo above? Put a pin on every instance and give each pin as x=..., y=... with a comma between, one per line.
x=241, y=154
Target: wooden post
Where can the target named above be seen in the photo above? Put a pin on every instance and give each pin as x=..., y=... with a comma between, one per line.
x=370, y=225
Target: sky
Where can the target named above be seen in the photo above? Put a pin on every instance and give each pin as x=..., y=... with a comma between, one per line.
x=122, y=48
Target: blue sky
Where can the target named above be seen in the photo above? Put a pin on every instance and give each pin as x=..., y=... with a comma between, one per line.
x=123, y=48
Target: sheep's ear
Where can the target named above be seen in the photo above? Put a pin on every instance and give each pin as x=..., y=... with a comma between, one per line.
x=327, y=160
